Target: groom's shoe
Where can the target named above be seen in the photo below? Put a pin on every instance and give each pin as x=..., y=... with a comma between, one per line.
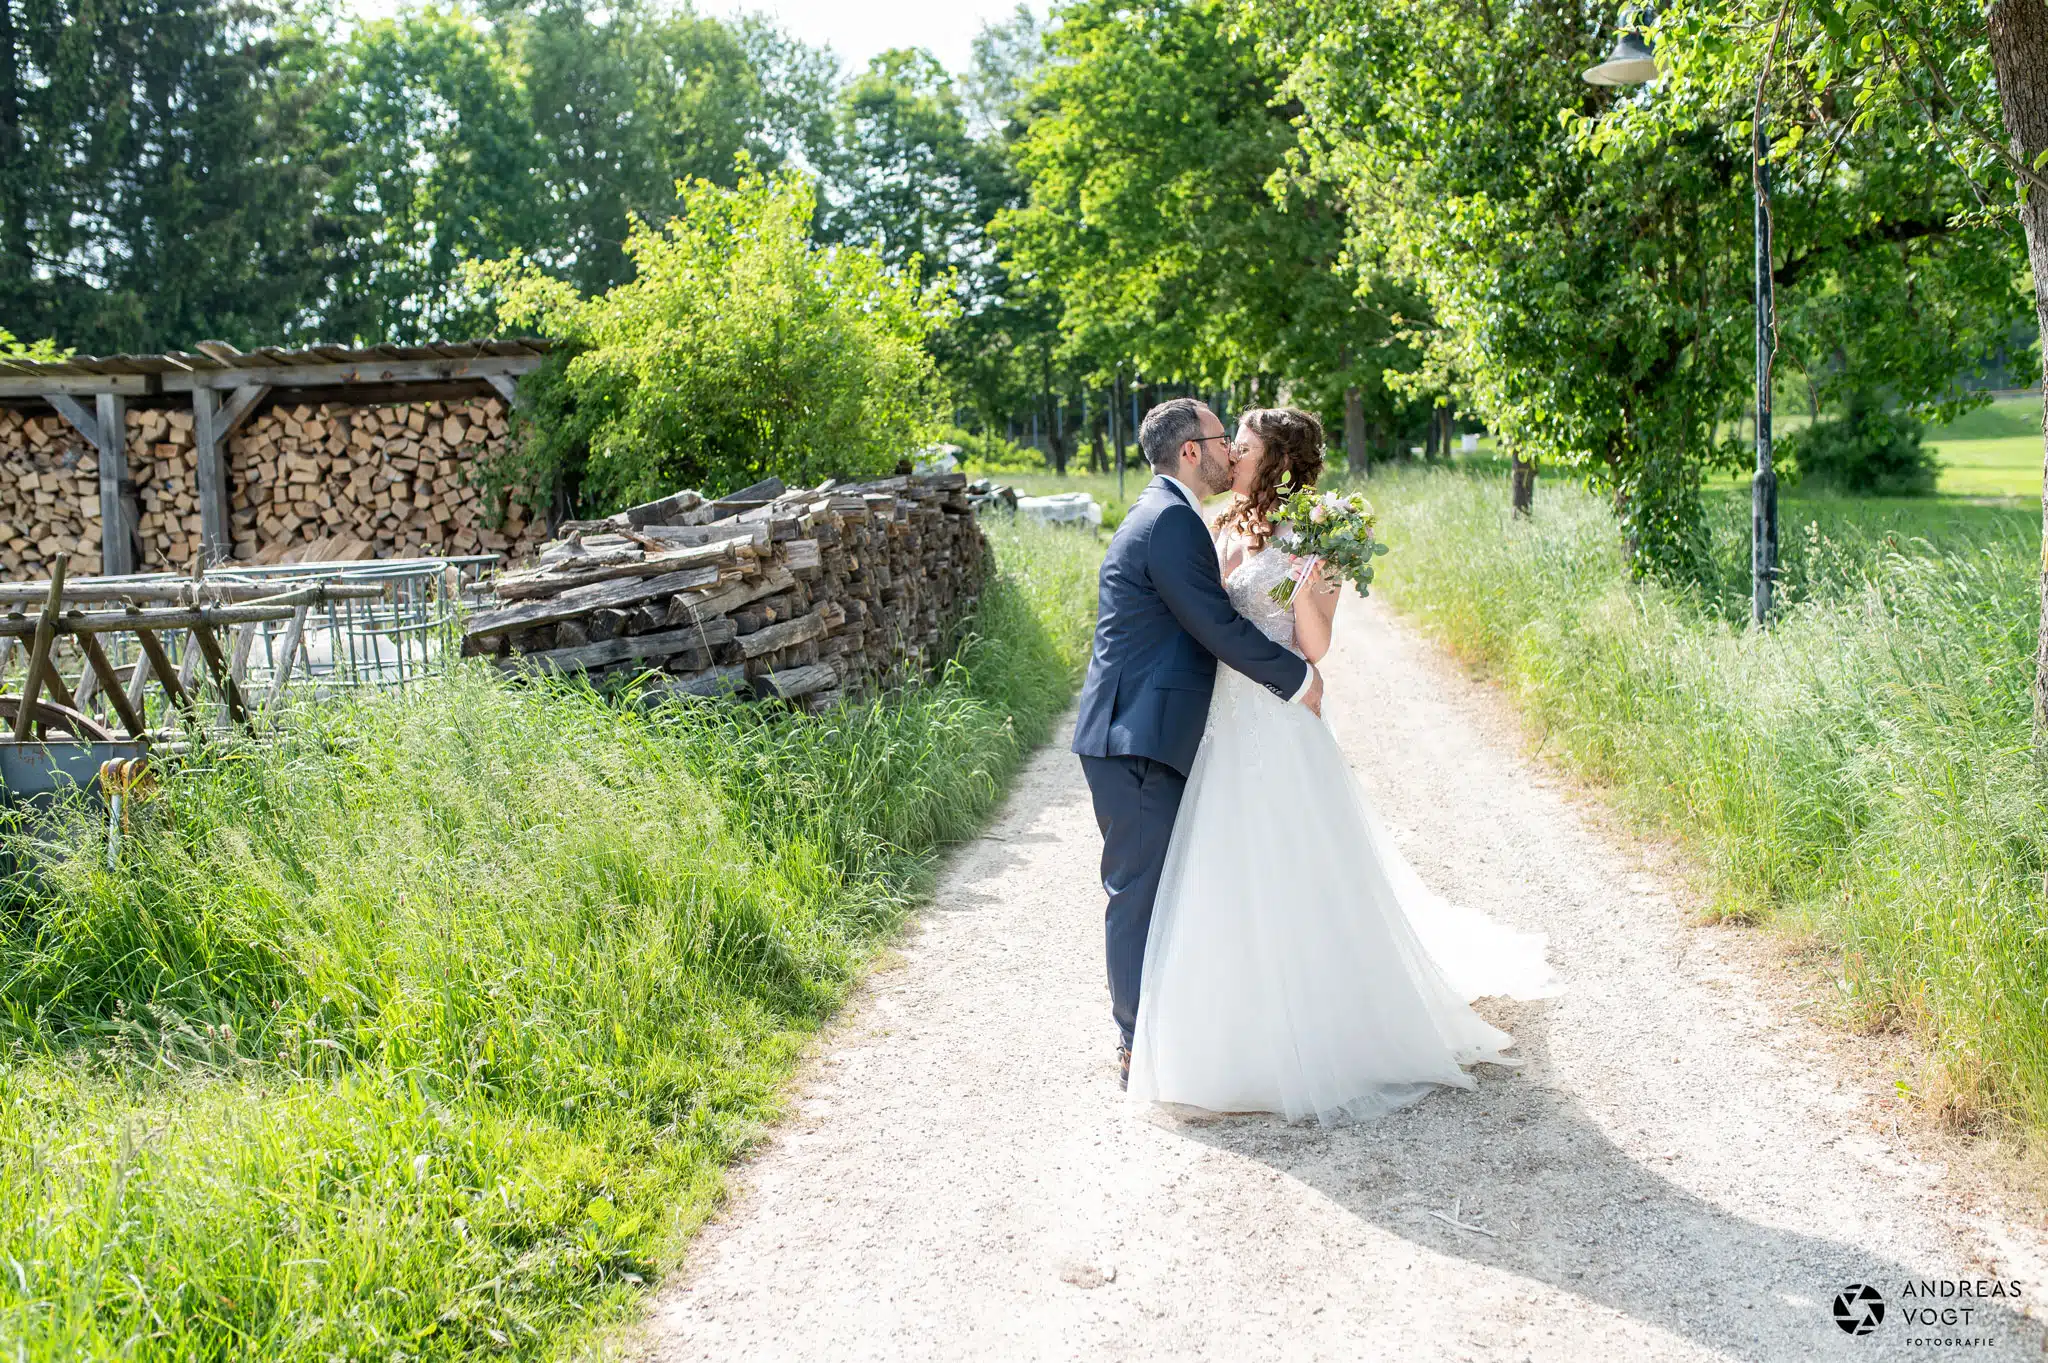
x=1123, y=1065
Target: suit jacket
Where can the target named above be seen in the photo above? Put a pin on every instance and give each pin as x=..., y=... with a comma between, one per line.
x=1163, y=621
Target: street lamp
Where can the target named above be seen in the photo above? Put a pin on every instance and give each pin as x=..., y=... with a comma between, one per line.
x=1633, y=63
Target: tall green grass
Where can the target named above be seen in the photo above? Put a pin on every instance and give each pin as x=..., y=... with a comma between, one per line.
x=1862, y=769
x=428, y=1030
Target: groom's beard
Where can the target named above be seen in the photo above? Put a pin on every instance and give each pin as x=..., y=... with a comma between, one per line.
x=1214, y=472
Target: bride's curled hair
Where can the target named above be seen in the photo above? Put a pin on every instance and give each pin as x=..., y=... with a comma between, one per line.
x=1294, y=460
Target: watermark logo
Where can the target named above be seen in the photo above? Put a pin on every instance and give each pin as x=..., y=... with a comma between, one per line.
x=1859, y=1309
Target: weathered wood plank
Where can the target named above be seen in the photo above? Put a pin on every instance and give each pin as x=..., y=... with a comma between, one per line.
x=581, y=600
x=701, y=534
x=110, y=683
x=167, y=617
x=132, y=385
x=166, y=675
x=781, y=635
x=294, y=635
x=379, y=370
x=792, y=682
x=626, y=648
x=686, y=609
x=542, y=583
x=79, y=415
x=236, y=409
x=712, y=681
x=39, y=651
x=217, y=664
x=117, y=491
x=210, y=476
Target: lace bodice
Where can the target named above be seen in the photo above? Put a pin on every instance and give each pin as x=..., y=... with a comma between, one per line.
x=1250, y=588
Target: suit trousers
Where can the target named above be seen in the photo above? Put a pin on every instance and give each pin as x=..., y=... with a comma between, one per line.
x=1136, y=802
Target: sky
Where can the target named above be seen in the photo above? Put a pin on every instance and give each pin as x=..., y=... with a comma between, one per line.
x=858, y=29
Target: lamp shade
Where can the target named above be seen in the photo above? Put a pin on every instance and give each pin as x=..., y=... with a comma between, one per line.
x=1631, y=63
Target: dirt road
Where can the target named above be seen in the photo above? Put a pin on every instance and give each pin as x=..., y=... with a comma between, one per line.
x=1686, y=1168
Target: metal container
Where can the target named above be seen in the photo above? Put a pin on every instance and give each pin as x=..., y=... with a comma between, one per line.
x=42, y=770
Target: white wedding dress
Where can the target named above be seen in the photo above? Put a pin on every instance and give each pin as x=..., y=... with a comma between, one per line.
x=1296, y=964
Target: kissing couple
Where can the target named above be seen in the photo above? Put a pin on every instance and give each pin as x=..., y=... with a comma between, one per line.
x=1269, y=949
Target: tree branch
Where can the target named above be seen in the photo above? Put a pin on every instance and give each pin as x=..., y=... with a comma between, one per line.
x=1906, y=230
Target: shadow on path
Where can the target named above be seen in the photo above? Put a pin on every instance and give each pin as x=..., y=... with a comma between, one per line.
x=1571, y=1210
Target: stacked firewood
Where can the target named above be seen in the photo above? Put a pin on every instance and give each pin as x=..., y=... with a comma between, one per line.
x=49, y=496
x=164, y=465
x=806, y=594
x=334, y=482
x=305, y=484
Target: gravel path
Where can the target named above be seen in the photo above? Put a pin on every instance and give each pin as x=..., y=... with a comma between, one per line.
x=1686, y=1168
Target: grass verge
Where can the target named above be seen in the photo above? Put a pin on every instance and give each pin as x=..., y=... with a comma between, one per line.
x=428, y=1031
x=1861, y=770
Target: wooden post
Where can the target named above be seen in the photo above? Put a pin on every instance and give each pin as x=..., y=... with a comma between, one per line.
x=294, y=635
x=117, y=491
x=39, y=653
x=110, y=684
x=166, y=675
x=213, y=501
x=217, y=663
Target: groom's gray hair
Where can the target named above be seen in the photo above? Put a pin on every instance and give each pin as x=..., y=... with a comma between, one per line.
x=1169, y=426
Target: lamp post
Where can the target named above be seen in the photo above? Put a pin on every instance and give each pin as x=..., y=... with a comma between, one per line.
x=1633, y=63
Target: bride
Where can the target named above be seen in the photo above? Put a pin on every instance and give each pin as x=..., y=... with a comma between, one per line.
x=1295, y=963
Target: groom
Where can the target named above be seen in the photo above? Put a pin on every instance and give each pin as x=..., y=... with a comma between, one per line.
x=1163, y=622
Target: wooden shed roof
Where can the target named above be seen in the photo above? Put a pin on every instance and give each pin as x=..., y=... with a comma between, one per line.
x=368, y=373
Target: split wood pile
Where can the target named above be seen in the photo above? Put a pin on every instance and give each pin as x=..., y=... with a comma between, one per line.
x=338, y=482
x=305, y=484
x=49, y=496
x=807, y=594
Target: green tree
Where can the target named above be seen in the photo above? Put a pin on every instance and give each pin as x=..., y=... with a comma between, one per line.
x=1163, y=218
x=157, y=185
x=1952, y=80
x=737, y=350
x=1586, y=253
x=626, y=102
x=436, y=161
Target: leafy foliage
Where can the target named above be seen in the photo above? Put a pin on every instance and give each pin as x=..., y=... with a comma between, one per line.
x=157, y=181
x=1164, y=223
x=738, y=350
x=1587, y=253
x=1866, y=451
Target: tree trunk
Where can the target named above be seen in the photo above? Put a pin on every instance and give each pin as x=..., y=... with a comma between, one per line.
x=1055, y=414
x=19, y=268
x=2019, y=56
x=1354, y=431
x=1522, y=486
x=1116, y=416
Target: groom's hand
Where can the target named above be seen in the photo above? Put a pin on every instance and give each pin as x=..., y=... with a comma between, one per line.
x=1313, y=697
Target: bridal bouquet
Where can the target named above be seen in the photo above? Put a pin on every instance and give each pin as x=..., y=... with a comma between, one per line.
x=1330, y=528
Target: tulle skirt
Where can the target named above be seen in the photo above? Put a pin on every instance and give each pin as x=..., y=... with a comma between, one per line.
x=1296, y=964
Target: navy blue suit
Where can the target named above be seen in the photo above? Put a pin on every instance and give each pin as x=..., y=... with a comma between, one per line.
x=1162, y=623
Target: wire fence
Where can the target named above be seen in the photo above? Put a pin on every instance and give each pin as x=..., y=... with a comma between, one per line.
x=407, y=628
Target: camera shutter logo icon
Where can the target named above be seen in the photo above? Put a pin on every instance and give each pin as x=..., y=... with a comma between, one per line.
x=1859, y=1309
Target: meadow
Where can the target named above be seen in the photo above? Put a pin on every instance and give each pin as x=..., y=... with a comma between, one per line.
x=428, y=1029
x=1994, y=451
x=1860, y=773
